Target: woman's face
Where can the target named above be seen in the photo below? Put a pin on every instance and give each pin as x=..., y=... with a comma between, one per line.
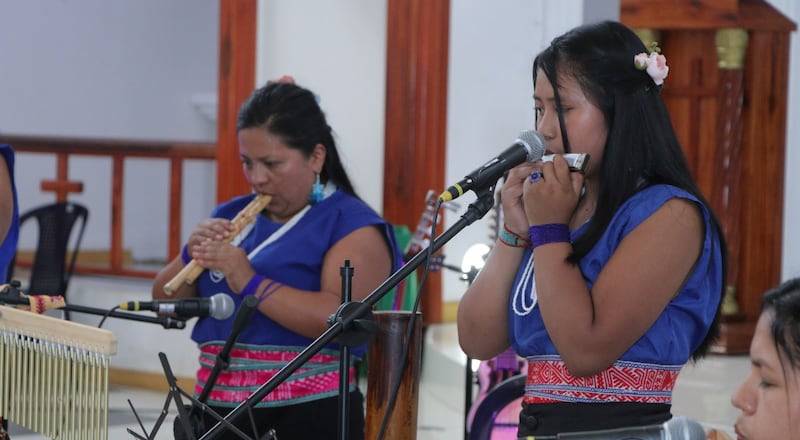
x=769, y=397
x=584, y=121
x=273, y=168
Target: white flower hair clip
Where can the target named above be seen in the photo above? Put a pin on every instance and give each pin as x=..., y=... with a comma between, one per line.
x=654, y=63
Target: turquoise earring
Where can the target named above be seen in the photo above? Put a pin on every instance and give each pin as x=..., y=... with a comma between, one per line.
x=316, y=192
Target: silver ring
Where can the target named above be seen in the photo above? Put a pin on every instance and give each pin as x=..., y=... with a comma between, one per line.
x=536, y=176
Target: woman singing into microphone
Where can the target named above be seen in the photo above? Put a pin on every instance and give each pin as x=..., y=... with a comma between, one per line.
x=290, y=260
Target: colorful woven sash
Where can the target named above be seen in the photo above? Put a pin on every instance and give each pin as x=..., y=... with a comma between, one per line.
x=252, y=366
x=549, y=381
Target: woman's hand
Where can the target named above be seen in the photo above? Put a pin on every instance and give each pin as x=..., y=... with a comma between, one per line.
x=214, y=229
x=209, y=245
x=226, y=258
x=514, y=206
x=553, y=195
x=211, y=230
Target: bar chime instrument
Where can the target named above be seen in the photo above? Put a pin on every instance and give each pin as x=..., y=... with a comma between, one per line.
x=54, y=375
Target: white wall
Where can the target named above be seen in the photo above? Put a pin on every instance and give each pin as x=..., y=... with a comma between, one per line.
x=122, y=70
x=111, y=69
x=338, y=52
x=791, y=216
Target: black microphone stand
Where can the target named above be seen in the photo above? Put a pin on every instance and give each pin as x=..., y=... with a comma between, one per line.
x=357, y=334
x=346, y=273
x=191, y=421
x=167, y=322
x=249, y=305
x=344, y=320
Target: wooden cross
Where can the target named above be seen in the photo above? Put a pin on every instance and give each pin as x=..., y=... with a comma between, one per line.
x=62, y=186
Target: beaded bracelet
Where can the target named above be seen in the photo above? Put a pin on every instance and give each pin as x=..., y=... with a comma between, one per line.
x=549, y=233
x=509, y=238
x=185, y=255
x=271, y=288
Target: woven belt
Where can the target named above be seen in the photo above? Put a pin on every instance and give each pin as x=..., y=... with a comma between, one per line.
x=549, y=381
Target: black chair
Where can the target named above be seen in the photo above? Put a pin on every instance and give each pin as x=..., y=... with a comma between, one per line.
x=56, y=248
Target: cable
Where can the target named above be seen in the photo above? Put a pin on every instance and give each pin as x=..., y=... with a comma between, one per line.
x=108, y=313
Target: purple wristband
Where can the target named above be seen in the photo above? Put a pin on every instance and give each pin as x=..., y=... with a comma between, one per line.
x=185, y=255
x=252, y=285
x=549, y=233
x=261, y=295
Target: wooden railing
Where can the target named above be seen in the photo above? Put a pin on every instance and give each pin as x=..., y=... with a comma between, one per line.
x=118, y=151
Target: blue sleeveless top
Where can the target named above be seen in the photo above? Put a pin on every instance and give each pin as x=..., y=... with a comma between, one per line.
x=681, y=327
x=295, y=260
x=9, y=246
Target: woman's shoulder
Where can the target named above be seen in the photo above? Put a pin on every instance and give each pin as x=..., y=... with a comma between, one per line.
x=649, y=200
x=660, y=193
x=7, y=153
x=347, y=212
x=350, y=204
x=653, y=197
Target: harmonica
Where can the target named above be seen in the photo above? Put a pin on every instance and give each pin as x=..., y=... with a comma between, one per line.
x=576, y=161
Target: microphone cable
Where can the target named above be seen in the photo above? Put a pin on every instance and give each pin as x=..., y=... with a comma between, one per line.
x=107, y=314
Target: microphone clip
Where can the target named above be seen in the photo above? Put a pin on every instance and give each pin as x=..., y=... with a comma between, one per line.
x=360, y=330
x=169, y=322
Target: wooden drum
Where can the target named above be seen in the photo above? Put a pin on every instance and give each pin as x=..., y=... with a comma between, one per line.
x=384, y=359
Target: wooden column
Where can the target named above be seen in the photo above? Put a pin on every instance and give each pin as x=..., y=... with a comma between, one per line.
x=416, y=115
x=237, y=77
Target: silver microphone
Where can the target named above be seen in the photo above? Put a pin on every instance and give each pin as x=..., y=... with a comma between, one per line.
x=219, y=306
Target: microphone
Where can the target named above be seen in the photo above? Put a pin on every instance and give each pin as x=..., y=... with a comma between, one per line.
x=677, y=428
x=219, y=306
x=529, y=146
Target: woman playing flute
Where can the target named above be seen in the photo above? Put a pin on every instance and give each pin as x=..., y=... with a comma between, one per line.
x=290, y=259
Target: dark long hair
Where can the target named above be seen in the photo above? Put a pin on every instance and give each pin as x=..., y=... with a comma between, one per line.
x=292, y=112
x=783, y=302
x=641, y=149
